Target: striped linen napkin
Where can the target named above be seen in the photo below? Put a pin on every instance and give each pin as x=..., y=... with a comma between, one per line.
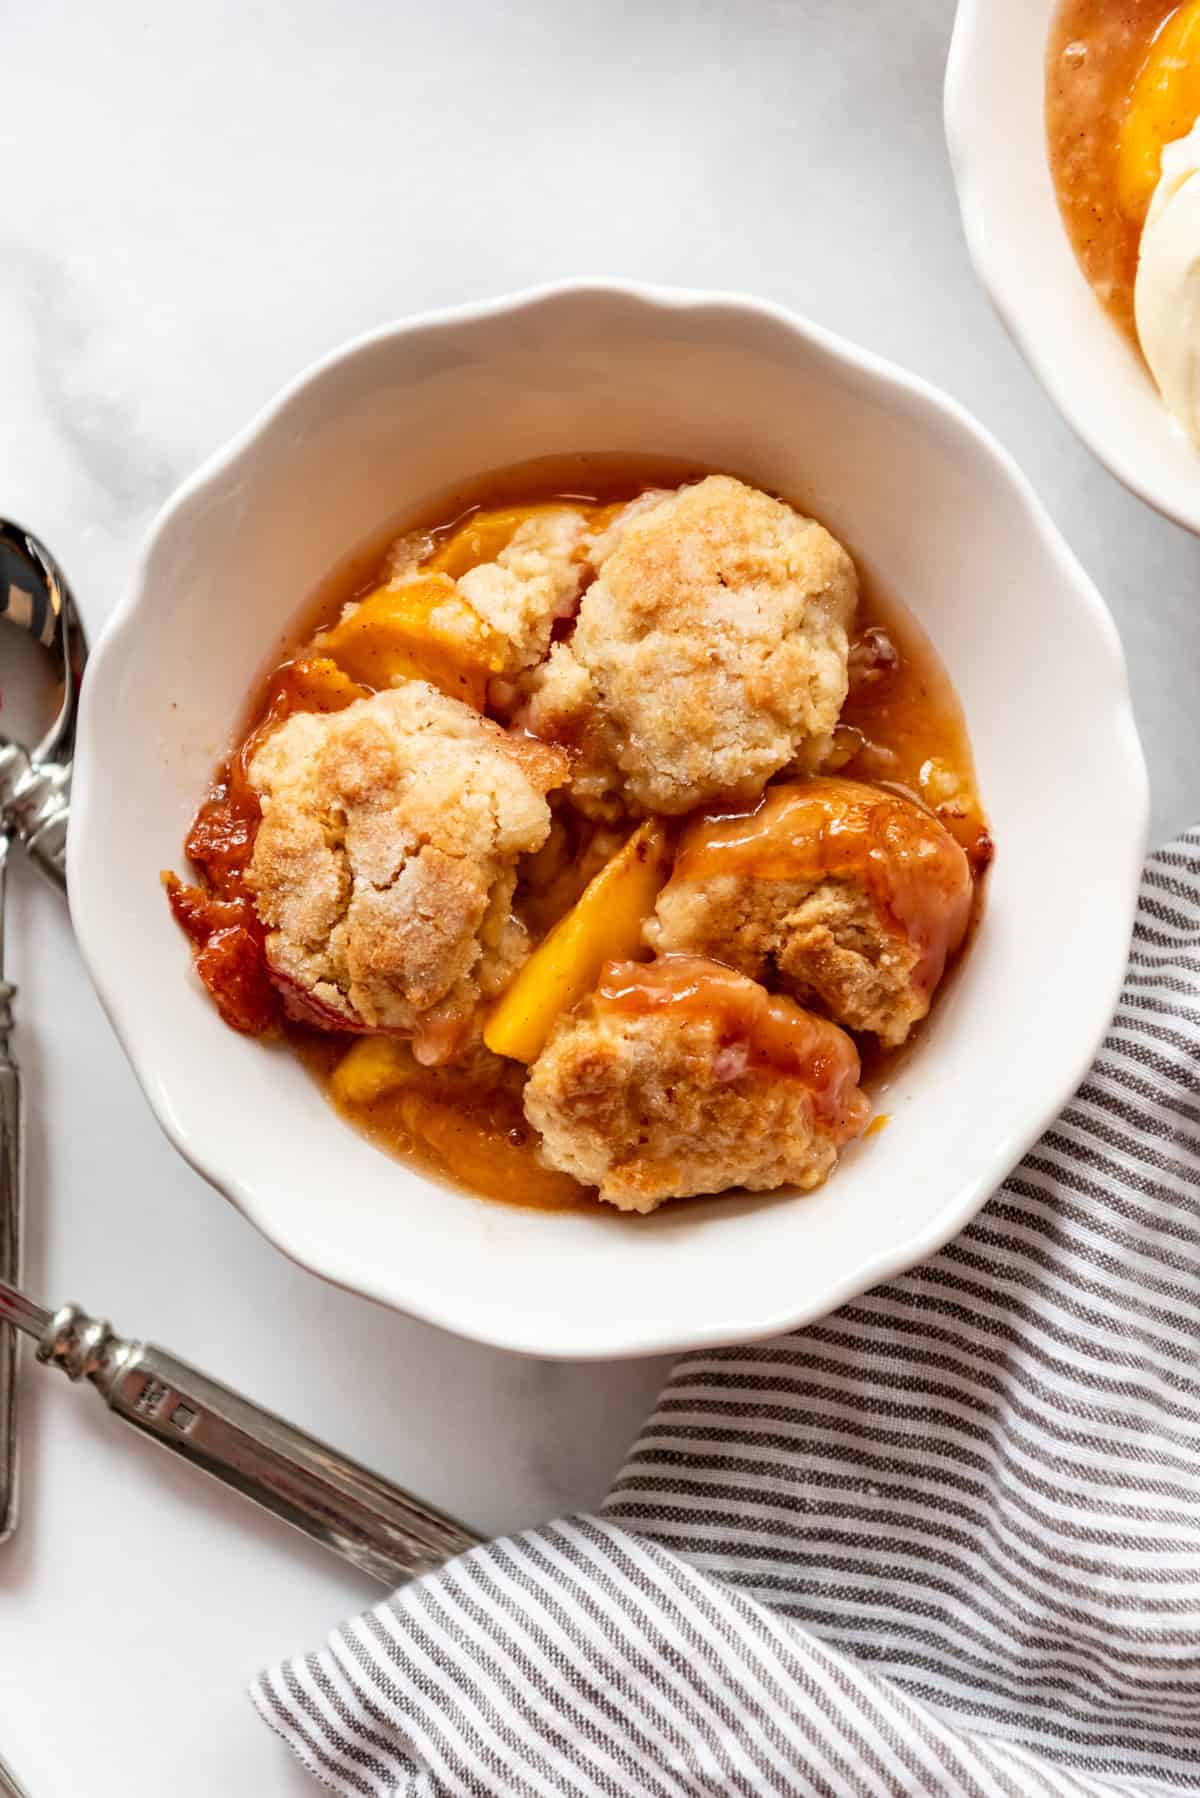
x=945, y=1542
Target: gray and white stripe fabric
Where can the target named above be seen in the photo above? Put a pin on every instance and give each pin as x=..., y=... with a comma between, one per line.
x=945, y=1542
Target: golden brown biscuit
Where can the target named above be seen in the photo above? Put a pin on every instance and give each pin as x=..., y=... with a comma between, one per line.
x=682, y=1077
x=709, y=653
x=385, y=862
x=533, y=582
x=853, y=897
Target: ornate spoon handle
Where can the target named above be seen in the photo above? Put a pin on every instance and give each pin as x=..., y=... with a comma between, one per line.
x=345, y=1507
x=10, y=1269
x=11, y=1227
x=35, y=799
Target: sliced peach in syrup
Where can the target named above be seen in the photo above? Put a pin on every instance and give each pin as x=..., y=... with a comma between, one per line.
x=418, y=629
x=605, y=924
x=1164, y=105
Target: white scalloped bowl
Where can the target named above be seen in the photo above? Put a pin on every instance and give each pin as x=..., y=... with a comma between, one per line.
x=996, y=132
x=921, y=495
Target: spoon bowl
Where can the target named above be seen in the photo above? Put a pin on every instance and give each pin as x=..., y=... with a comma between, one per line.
x=35, y=776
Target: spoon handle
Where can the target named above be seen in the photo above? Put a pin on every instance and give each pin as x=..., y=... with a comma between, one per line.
x=10, y=1230
x=10, y=1269
x=36, y=799
x=8, y=1782
x=343, y=1506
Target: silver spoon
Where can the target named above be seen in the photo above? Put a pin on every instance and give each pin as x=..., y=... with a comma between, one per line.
x=343, y=1506
x=35, y=784
x=11, y=1228
x=35, y=779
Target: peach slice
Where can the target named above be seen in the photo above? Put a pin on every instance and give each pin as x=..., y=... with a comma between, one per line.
x=605, y=924
x=482, y=538
x=1164, y=105
x=418, y=629
x=374, y=1066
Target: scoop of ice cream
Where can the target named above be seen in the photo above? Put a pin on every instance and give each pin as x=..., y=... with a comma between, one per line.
x=1167, y=291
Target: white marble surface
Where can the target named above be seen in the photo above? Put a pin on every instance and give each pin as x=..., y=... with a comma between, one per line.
x=197, y=201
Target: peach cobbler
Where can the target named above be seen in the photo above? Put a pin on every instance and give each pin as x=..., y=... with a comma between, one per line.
x=595, y=842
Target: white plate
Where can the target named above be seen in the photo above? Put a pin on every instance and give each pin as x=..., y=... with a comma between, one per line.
x=921, y=495
x=996, y=130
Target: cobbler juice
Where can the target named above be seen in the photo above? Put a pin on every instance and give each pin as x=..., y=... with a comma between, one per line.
x=1096, y=51
x=459, y=1113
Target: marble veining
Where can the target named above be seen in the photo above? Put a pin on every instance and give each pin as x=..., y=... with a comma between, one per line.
x=86, y=379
